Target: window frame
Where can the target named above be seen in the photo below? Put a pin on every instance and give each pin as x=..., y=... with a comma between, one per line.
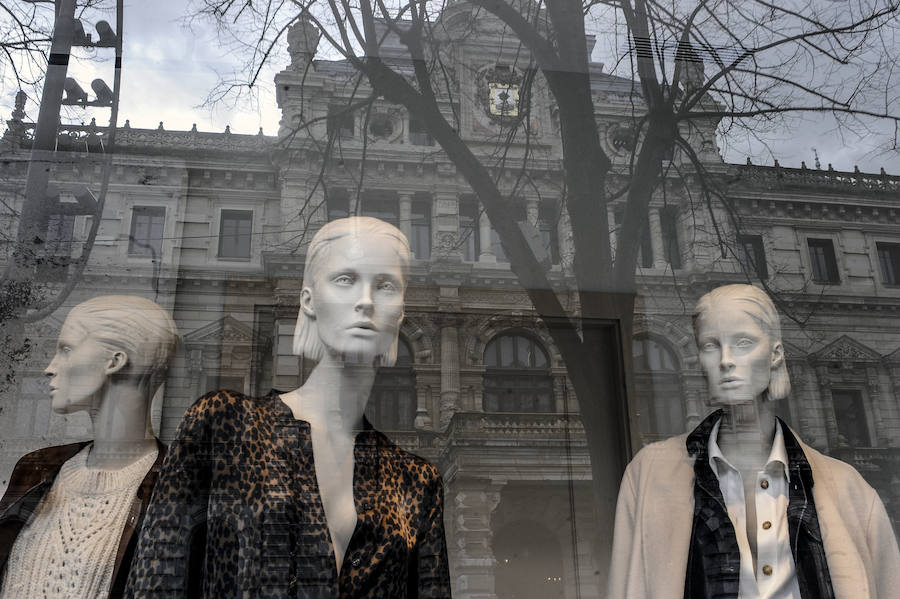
x=832, y=266
x=221, y=237
x=132, y=253
x=756, y=267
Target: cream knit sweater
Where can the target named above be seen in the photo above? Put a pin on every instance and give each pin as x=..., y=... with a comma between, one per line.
x=68, y=547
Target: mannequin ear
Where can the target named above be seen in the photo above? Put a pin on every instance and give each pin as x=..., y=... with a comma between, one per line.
x=116, y=362
x=306, y=302
x=777, y=355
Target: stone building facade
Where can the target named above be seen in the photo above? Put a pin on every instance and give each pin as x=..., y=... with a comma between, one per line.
x=213, y=227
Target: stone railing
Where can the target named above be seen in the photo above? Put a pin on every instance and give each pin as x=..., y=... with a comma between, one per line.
x=774, y=177
x=510, y=425
x=93, y=138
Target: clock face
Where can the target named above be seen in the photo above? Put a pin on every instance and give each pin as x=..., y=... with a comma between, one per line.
x=504, y=99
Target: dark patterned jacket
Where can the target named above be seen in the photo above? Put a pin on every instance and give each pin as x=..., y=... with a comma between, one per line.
x=32, y=479
x=237, y=513
x=714, y=560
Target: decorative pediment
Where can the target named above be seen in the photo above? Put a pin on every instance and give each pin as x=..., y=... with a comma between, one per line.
x=224, y=330
x=893, y=357
x=846, y=350
x=793, y=352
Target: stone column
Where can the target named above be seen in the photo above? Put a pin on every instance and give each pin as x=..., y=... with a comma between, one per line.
x=831, y=429
x=613, y=233
x=484, y=236
x=470, y=504
x=532, y=212
x=286, y=366
x=566, y=243
x=405, y=205
x=445, y=227
x=449, y=371
x=656, y=239
x=879, y=434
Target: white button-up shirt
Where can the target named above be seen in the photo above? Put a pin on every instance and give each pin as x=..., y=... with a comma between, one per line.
x=776, y=575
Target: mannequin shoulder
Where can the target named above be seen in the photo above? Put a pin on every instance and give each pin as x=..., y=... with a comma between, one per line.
x=660, y=457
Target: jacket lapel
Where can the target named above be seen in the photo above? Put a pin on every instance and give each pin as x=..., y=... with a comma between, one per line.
x=667, y=515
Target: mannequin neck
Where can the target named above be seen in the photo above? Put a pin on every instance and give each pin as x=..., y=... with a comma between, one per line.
x=334, y=396
x=748, y=444
x=121, y=423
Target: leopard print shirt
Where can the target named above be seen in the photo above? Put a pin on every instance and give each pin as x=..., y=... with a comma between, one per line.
x=237, y=513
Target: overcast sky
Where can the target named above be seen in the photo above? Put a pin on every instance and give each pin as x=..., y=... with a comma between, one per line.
x=170, y=68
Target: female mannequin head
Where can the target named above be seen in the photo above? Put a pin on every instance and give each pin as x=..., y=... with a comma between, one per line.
x=351, y=304
x=738, y=335
x=121, y=337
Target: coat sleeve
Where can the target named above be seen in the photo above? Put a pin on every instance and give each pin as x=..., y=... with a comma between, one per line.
x=169, y=559
x=883, y=550
x=624, y=542
x=433, y=575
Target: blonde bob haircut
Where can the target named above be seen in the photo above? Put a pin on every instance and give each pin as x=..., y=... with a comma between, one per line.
x=758, y=305
x=135, y=325
x=306, y=335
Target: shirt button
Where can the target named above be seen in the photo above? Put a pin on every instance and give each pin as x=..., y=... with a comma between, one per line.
x=355, y=562
x=767, y=525
x=764, y=484
x=767, y=570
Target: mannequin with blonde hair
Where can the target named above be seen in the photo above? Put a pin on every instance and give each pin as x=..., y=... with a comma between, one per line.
x=295, y=494
x=70, y=516
x=740, y=507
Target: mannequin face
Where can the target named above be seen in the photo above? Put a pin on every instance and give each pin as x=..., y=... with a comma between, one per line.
x=736, y=354
x=356, y=297
x=80, y=368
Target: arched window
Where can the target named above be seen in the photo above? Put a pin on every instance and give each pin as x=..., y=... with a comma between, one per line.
x=517, y=378
x=392, y=405
x=658, y=388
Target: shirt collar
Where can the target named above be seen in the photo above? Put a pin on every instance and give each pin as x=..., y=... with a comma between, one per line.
x=777, y=455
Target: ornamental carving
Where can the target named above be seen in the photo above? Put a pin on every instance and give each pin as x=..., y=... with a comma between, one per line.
x=846, y=351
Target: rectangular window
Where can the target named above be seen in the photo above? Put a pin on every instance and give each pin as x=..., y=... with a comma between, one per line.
x=468, y=229
x=823, y=261
x=496, y=245
x=418, y=135
x=751, y=253
x=340, y=122
x=338, y=204
x=889, y=262
x=420, y=230
x=668, y=218
x=54, y=267
x=147, y=225
x=850, y=415
x=386, y=210
x=235, y=229
x=548, y=219
x=60, y=233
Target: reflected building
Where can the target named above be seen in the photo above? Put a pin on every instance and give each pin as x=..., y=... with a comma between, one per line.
x=213, y=226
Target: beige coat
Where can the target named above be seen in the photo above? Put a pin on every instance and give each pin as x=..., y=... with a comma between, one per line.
x=654, y=516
